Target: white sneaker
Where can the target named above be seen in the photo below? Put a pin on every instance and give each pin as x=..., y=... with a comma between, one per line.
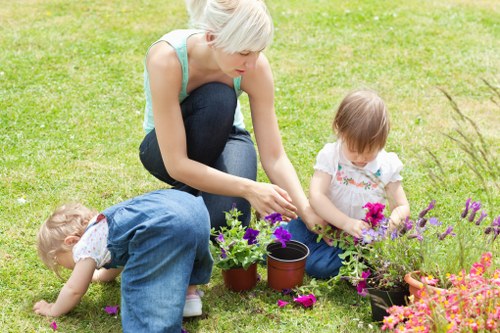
x=193, y=305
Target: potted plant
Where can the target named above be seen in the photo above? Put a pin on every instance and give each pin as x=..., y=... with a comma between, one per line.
x=377, y=262
x=238, y=249
x=470, y=304
x=456, y=247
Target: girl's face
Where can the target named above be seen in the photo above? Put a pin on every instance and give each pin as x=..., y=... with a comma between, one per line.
x=359, y=159
x=236, y=64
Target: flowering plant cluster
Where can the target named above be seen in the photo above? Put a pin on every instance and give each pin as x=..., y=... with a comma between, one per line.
x=381, y=257
x=471, y=304
x=237, y=246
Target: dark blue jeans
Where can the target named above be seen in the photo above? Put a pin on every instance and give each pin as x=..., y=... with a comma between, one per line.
x=211, y=138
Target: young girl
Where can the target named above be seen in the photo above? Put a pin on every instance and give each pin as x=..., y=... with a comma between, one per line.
x=348, y=174
x=140, y=236
x=196, y=139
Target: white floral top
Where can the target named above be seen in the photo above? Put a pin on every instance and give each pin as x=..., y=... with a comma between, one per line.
x=94, y=243
x=352, y=187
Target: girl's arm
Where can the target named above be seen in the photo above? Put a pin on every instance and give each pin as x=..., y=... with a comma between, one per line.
x=398, y=203
x=165, y=81
x=106, y=274
x=71, y=293
x=327, y=210
x=259, y=86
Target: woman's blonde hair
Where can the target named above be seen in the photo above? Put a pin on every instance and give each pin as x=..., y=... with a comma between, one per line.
x=362, y=121
x=238, y=25
x=67, y=220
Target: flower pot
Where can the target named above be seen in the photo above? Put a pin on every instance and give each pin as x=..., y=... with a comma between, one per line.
x=417, y=287
x=286, y=265
x=239, y=279
x=381, y=300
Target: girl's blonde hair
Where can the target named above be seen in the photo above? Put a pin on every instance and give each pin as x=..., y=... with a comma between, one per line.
x=362, y=121
x=67, y=220
x=238, y=25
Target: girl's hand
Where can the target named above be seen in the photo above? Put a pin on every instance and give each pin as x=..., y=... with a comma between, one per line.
x=43, y=308
x=355, y=227
x=269, y=198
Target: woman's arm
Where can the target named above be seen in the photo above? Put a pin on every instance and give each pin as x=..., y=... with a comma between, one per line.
x=106, y=274
x=327, y=210
x=165, y=82
x=398, y=203
x=71, y=293
x=259, y=86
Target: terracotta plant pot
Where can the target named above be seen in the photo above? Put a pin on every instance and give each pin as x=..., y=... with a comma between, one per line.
x=239, y=279
x=381, y=300
x=286, y=265
x=416, y=285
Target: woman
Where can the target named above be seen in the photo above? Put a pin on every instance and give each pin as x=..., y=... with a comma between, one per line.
x=196, y=139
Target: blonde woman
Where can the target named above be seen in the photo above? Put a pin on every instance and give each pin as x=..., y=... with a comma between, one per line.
x=196, y=139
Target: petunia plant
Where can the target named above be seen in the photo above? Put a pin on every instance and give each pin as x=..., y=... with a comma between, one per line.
x=237, y=246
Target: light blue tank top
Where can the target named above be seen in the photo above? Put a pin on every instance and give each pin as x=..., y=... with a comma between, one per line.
x=178, y=40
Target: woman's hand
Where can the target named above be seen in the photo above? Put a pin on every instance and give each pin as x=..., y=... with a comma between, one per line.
x=269, y=198
x=43, y=308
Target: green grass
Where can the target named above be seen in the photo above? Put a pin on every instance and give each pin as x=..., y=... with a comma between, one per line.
x=71, y=109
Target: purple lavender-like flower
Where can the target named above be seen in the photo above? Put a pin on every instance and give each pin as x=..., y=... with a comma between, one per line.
x=481, y=217
x=408, y=224
x=251, y=236
x=223, y=253
x=274, y=218
x=494, y=227
x=282, y=236
x=466, y=210
x=434, y=221
x=416, y=235
x=394, y=235
x=475, y=206
x=426, y=210
x=449, y=231
x=421, y=222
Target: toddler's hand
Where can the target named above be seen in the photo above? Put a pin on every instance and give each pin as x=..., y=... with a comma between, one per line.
x=43, y=308
x=356, y=227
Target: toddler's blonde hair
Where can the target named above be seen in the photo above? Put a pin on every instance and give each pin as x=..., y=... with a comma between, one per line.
x=67, y=220
x=362, y=121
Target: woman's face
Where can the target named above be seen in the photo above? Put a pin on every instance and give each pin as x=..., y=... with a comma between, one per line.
x=359, y=159
x=236, y=64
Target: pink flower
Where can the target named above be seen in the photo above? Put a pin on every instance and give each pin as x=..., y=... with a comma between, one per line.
x=374, y=213
x=361, y=286
x=282, y=303
x=53, y=325
x=111, y=310
x=306, y=300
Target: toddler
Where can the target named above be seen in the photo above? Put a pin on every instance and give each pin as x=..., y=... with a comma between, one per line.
x=159, y=240
x=348, y=174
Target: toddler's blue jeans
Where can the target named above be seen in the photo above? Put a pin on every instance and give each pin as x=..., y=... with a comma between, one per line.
x=323, y=261
x=162, y=240
x=211, y=139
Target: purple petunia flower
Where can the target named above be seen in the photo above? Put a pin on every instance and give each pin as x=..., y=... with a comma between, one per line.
x=53, y=325
x=434, y=221
x=282, y=303
x=183, y=330
x=286, y=291
x=251, y=236
x=361, y=286
x=274, y=218
x=111, y=310
x=448, y=231
x=282, y=236
x=223, y=253
x=220, y=238
x=368, y=236
x=466, y=210
x=306, y=300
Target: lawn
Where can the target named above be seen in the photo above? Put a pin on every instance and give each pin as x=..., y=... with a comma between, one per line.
x=71, y=110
